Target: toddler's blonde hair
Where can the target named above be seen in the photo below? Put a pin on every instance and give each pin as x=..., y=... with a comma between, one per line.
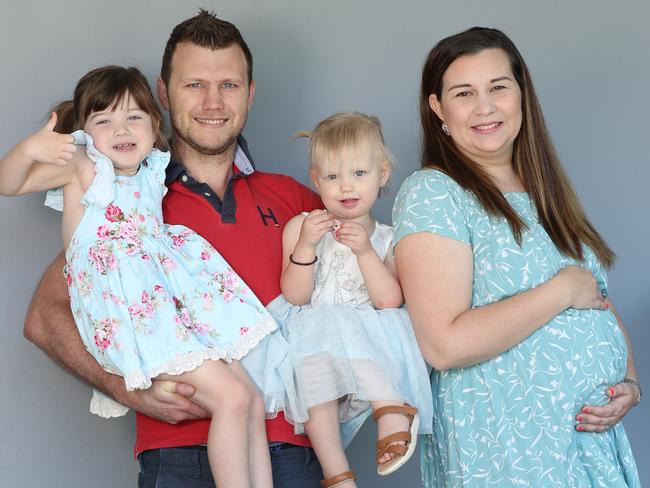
x=343, y=131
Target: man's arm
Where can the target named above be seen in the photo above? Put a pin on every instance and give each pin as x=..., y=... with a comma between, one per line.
x=50, y=326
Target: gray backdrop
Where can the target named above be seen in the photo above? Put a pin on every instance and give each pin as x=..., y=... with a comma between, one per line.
x=589, y=60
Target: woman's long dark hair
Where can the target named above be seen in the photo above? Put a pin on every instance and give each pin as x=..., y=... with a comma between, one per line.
x=534, y=159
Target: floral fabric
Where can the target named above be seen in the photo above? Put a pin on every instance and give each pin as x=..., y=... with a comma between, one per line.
x=150, y=298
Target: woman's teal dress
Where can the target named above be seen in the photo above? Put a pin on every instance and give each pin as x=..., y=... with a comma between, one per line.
x=509, y=421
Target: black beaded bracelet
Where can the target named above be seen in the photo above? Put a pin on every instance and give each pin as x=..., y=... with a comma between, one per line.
x=632, y=382
x=302, y=264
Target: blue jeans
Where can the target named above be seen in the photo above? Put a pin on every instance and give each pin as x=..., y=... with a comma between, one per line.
x=188, y=467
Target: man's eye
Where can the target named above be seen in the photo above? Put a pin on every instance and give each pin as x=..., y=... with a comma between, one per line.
x=195, y=85
x=230, y=85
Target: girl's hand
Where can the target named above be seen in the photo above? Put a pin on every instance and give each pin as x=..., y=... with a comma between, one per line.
x=315, y=225
x=622, y=398
x=582, y=290
x=355, y=236
x=47, y=146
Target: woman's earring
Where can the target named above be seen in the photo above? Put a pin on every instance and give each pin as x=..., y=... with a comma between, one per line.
x=445, y=129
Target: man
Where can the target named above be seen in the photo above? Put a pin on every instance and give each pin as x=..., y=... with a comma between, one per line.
x=206, y=85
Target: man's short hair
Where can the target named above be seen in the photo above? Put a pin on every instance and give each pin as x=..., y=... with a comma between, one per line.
x=204, y=30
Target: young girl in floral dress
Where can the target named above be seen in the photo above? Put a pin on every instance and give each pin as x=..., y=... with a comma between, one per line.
x=150, y=300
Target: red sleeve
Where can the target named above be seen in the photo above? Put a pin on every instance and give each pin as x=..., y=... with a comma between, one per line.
x=306, y=199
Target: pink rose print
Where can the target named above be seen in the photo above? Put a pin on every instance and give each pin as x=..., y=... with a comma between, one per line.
x=105, y=331
x=128, y=230
x=135, y=309
x=243, y=330
x=102, y=258
x=159, y=289
x=205, y=255
x=113, y=213
x=178, y=241
x=230, y=280
x=136, y=194
x=103, y=232
x=141, y=218
x=167, y=263
x=228, y=295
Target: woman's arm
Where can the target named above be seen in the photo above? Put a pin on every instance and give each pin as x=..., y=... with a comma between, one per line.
x=49, y=325
x=436, y=274
x=40, y=162
x=622, y=396
x=300, y=237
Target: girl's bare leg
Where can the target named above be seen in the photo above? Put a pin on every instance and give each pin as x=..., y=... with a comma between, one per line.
x=325, y=437
x=229, y=400
x=260, y=460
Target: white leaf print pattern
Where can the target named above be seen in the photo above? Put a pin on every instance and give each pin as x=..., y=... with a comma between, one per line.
x=509, y=421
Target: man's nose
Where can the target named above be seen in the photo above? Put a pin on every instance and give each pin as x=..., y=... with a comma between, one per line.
x=213, y=98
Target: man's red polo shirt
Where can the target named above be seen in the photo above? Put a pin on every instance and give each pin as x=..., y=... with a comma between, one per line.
x=252, y=245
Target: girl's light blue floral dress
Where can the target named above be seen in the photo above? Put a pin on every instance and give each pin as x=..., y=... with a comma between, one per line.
x=509, y=421
x=150, y=298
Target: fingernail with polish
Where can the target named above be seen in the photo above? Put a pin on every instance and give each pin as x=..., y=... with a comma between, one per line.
x=580, y=427
x=585, y=410
x=579, y=418
x=611, y=392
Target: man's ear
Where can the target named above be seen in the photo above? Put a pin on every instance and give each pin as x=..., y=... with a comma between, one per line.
x=436, y=106
x=251, y=94
x=161, y=89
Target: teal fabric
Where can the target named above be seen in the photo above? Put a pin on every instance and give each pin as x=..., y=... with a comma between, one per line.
x=509, y=421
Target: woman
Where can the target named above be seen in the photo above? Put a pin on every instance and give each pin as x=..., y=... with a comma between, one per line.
x=503, y=276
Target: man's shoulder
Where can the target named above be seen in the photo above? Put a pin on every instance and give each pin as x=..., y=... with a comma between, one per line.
x=280, y=178
x=284, y=189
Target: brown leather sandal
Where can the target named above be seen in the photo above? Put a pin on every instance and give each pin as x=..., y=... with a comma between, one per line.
x=339, y=479
x=386, y=445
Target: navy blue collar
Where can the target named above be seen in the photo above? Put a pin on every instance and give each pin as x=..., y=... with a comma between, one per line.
x=176, y=171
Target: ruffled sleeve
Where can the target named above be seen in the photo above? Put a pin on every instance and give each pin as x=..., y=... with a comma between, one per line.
x=101, y=191
x=157, y=163
x=430, y=201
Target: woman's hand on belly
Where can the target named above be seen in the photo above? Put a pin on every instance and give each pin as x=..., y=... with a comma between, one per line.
x=622, y=398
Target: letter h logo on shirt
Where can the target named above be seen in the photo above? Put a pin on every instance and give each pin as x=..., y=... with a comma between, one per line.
x=269, y=216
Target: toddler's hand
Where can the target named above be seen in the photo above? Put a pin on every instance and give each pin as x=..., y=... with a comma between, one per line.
x=355, y=236
x=47, y=146
x=581, y=288
x=315, y=225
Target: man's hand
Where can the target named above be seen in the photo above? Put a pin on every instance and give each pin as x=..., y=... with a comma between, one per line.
x=622, y=397
x=167, y=401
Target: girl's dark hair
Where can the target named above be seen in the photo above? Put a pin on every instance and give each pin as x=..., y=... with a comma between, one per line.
x=535, y=160
x=104, y=88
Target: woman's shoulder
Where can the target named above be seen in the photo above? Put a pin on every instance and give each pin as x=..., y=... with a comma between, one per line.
x=431, y=183
x=431, y=180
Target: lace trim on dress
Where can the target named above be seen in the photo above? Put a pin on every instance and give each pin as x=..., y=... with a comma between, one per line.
x=106, y=407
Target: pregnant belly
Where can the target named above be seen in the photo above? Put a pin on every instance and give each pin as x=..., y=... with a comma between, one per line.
x=582, y=351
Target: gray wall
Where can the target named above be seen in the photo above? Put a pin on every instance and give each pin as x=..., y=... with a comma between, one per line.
x=590, y=63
